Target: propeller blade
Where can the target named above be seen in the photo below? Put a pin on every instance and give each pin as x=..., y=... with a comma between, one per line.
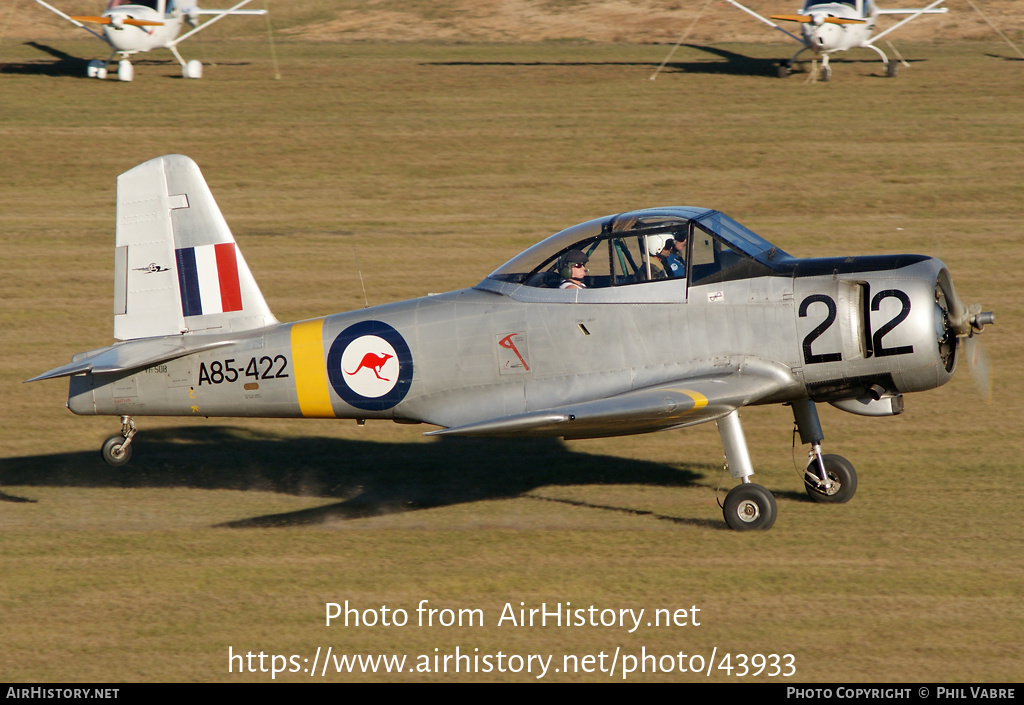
x=792, y=18
x=808, y=19
x=978, y=364
x=126, y=20
x=963, y=320
x=966, y=323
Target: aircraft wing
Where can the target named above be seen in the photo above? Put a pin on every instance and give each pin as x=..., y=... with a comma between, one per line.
x=913, y=10
x=686, y=402
x=931, y=9
x=218, y=15
x=132, y=355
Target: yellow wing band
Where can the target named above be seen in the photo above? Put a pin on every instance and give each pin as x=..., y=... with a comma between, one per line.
x=311, y=369
x=699, y=400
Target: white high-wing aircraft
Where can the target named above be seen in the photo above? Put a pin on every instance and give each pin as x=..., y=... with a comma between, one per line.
x=838, y=25
x=133, y=26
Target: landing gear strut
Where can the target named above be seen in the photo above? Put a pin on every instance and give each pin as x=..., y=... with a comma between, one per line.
x=748, y=506
x=827, y=478
x=189, y=69
x=117, y=450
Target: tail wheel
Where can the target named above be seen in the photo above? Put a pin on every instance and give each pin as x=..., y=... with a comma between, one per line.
x=749, y=507
x=115, y=451
x=842, y=480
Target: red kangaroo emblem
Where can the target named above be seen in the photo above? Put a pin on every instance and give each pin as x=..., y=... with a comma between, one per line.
x=372, y=362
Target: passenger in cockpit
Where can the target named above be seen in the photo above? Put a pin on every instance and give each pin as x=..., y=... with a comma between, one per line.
x=677, y=259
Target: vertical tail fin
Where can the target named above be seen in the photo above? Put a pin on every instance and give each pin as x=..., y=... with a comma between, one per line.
x=177, y=268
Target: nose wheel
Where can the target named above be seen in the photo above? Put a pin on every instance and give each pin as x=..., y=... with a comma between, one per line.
x=828, y=478
x=839, y=482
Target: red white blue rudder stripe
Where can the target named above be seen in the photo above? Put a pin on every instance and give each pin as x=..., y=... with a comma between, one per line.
x=208, y=279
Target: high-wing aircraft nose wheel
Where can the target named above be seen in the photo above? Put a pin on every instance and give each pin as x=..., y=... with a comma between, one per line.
x=117, y=450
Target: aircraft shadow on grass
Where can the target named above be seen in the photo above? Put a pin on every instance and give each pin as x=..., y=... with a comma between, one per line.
x=729, y=62
x=68, y=65
x=65, y=64
x=1004, y=57
x=368, y=478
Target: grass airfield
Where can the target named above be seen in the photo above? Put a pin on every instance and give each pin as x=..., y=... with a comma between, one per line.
x=432, y=164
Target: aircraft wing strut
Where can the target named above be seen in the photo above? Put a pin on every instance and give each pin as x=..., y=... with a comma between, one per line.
x=70, y=19
x=929, y=10
x=764, y=19
x=219, y=15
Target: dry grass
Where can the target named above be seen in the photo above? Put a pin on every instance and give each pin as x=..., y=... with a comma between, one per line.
x=438, y=162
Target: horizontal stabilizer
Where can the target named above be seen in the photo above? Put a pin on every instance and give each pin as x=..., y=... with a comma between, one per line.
x=133, y=355
x=683, y=403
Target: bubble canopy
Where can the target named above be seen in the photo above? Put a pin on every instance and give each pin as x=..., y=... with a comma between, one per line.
x=619, y=248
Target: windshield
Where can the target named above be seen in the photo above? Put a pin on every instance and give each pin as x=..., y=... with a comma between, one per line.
x=152, y=4
x=808, y=4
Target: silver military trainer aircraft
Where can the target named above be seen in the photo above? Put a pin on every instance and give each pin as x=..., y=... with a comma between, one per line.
x=588, y=333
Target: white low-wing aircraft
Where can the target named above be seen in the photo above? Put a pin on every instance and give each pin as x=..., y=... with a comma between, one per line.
x=631, y=323
x=840, y=25
x=134, y=26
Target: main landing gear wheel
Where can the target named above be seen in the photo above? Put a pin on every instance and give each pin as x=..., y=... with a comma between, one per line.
x=749, y=507
x=842, y=480
x=116, y=451
x=892, y=69
x=784, y=69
